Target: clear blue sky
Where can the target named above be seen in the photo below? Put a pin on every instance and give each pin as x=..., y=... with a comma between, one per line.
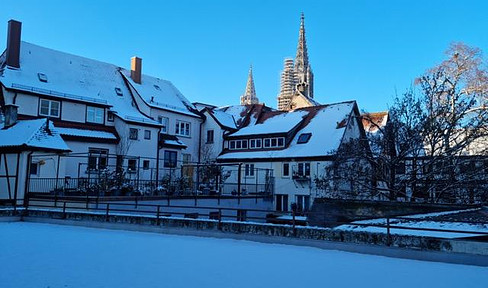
x=362, y=50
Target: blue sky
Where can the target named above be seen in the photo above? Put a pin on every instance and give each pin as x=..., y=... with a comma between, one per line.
x=362, y=50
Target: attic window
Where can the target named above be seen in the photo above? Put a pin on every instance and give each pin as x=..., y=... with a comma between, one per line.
x=42, y=77
x=157, y=87
x=304, y=137
x=118, y=91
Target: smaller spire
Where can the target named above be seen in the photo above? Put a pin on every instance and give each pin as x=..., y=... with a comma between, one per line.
x=249, y=96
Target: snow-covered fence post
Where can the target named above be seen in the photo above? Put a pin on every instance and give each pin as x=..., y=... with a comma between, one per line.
x=157, y=215
x=106, y=211
x=388, y=231
x=220, y=218
x=239, y=176
x=64, y=210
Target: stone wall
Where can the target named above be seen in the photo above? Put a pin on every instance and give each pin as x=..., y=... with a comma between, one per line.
x=214, y=228
x=333, y=212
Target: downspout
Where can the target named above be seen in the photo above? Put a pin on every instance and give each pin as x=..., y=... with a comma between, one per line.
x=157, y=156
x=16, y=181
x=27, y=179
x=200, y=143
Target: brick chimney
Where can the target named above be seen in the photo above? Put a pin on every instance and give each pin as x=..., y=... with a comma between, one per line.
x=136, y=69
x=10, y=114
x=13, y=43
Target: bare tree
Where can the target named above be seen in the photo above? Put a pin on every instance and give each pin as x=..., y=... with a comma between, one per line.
x=434, y=145
x=454, y=100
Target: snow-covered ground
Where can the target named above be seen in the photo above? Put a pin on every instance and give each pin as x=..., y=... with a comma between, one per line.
x=417, y=221
x=44, y=255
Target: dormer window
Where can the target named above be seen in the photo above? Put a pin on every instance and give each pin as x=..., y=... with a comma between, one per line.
x=157, y=87
x=304, y=138
x=274, y=142
x=118, y=91
x=42, y=77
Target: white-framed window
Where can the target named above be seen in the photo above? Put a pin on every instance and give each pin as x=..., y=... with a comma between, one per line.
x=238, y=144
x=303, y=169
x=274, y=142
x=303, y=202
x=94, y=114
x=281, y=202
x=132, y=165
x=49, y=108
x=34, y=169
x=255, y=143
x=110, y=117
x=210, y=136
x=285, y=172
x=186, y=158
x=182, y=128
x=249, y=170
x=145, y=164
x=170, y=159
x=133, y=134
x=147, y=134
x=97, y=158
x=165, y=122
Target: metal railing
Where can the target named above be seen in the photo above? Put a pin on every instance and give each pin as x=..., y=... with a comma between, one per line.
x=136, y=187
x=292, y=218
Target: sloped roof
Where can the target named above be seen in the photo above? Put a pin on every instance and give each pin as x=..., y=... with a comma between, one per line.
x=278, y=122
x=86, y=133
x=238, y=112
x=72, y=77
x=171, y=141
x=161, y=94
x=36, y=134
x=323, y=122
x=223, y=118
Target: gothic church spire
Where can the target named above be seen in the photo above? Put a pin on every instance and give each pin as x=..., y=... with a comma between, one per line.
x=302, y=67
x=301, y=59
x=249, y=96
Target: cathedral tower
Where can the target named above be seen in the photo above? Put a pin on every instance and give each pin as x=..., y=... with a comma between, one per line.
x=297, y=76
x=249, y=96
x=302, y=66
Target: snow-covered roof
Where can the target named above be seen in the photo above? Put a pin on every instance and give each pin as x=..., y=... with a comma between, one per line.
x=281, y=122
x=326, y=128
x=161, y=94
x=86, y=133
x=72, y=77
x=238, y=112
x=32, y=134
x=225, y=119
x=172, y=141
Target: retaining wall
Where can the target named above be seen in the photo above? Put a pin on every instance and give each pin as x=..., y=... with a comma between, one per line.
x=329, y=212
x=220, y=229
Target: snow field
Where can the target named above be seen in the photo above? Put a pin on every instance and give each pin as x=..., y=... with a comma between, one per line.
x=45, y=255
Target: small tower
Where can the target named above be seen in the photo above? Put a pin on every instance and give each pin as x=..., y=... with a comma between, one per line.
x=249, y=96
